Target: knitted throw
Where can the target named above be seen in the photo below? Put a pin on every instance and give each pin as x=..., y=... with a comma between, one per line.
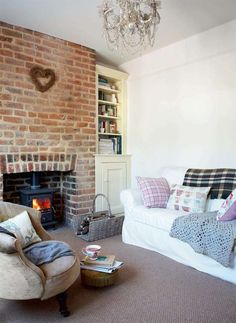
x=206, y=235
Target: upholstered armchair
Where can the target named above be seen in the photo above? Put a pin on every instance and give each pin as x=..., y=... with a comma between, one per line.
x=20, y=278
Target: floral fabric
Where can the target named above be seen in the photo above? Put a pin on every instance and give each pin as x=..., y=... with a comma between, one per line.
x=21, y=226
x=227, y=210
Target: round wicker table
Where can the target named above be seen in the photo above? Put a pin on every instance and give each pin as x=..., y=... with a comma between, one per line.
x=97, y=279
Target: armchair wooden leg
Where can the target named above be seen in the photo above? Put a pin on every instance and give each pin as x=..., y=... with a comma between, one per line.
x=62, y=304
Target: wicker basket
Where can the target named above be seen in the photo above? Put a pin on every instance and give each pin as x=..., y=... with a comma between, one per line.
x=102, y=224
x=98, y=279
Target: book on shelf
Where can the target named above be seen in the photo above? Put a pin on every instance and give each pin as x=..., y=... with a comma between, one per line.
x=103, y=82
x=114, y=141
x=100, y=261
x=104, y=269
x=105, y=146
x=107, y=126
x=102, y=79
x=119, y=145
x=110, y=145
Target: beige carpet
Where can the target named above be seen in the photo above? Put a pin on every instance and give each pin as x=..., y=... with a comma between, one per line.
x=151, y=289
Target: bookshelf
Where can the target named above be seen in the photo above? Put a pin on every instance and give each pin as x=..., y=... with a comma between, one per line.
x=112, y=164
x=111, y=111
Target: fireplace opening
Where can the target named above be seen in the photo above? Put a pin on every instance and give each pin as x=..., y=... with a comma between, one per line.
x=55, y=187
x=41, y=199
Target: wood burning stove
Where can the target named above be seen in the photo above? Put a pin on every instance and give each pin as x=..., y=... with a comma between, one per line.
x=40, y=199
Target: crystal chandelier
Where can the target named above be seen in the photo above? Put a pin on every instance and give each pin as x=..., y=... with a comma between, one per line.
x=130, y=25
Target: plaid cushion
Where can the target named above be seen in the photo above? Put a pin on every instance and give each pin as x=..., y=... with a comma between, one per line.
x=155, y=192
x=221, y=180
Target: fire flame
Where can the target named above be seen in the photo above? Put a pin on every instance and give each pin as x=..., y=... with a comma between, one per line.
x=41, y=204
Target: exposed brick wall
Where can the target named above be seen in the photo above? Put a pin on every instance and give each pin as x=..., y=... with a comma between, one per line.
x=59, y=121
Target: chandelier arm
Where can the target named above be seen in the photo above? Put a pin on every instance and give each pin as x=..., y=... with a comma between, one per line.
x=130, y=25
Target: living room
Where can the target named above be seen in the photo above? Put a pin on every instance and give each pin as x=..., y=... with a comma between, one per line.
x=176, y=102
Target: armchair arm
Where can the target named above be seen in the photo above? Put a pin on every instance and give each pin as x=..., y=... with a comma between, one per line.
x=35, y=217
x=19, y=278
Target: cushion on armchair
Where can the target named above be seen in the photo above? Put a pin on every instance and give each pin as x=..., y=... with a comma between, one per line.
x=21, y=226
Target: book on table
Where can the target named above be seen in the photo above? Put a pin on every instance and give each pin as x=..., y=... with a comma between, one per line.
x=100, y=261
x=102, y=268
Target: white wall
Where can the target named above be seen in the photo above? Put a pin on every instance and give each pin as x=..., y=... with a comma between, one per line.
x=182, y=104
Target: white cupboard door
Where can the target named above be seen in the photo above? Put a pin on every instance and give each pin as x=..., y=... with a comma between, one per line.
x=114, y=180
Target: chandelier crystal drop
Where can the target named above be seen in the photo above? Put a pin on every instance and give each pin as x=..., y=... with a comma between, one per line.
x=130, y=26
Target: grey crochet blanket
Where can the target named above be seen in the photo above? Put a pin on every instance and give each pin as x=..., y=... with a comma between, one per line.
x=46, y=251
x=206, y=235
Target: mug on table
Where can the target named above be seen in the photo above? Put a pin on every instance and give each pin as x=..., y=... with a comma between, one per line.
x=92, y=251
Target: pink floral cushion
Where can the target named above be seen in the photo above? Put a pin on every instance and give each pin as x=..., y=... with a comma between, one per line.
x=230, y=214
x=227, y=211
x=155, y=192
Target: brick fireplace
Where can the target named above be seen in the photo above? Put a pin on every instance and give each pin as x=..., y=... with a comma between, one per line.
x=53, y=131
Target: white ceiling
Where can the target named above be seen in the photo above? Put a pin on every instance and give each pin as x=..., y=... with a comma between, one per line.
x=78, y=21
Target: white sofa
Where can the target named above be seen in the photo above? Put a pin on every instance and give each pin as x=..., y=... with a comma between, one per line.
x=149, y=228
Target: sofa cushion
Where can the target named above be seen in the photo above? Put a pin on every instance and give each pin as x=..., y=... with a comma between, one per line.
x=60, y=275
x=226, y=206
x=154, y=191
x=230, y=214
x=21, y=226
x=58, y=266
x=187, y=198
x=173, y=175
x=213, y=204
x=156, y=217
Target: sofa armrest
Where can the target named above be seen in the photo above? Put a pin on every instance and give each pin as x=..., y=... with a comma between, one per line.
x=130, y=198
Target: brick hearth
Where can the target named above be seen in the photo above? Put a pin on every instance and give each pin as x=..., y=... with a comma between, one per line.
x=54, y=130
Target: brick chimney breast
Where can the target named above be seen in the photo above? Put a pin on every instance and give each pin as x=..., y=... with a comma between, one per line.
x=54, y=130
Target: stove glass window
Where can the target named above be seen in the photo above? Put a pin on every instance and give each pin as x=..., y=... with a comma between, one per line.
x=41, y=203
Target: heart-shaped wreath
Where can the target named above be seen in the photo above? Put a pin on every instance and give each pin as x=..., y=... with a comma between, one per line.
x=38, y=72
